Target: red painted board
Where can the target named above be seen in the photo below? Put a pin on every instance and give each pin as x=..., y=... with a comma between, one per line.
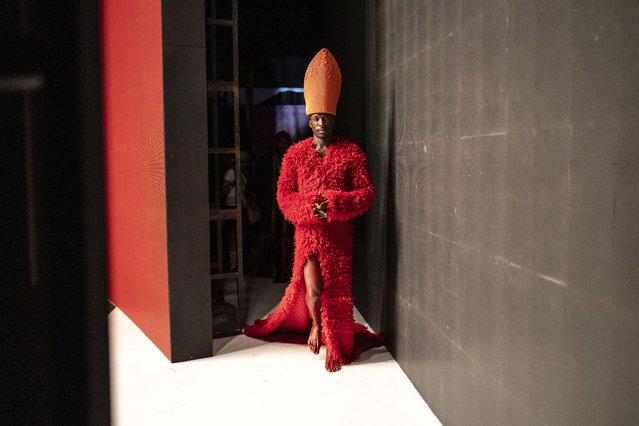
x=133, y=114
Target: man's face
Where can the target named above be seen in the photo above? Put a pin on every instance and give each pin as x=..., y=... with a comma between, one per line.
x=322, y=125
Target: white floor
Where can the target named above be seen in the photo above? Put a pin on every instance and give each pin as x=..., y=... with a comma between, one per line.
x=252, y=382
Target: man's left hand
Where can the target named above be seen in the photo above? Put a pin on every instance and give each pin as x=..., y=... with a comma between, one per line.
x=320, y=209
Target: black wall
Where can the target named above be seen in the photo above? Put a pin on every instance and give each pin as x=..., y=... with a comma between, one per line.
x=502, y=247
x=186, y=154
x=274, y=29
x=53, y=332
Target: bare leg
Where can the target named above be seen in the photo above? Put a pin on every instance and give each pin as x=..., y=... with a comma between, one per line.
x=313, y=280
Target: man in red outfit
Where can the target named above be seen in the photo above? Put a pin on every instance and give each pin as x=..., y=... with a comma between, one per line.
x=323, y=185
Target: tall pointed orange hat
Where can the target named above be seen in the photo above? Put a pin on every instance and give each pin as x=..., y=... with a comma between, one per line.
x=322, y=84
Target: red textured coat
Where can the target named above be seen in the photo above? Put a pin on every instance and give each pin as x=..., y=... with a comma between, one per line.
x=342, y=178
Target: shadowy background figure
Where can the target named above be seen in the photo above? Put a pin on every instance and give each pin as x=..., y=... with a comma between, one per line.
x=275, y=236
x=250, y=211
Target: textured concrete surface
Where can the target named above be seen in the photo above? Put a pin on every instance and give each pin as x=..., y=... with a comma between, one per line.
x=502, y=246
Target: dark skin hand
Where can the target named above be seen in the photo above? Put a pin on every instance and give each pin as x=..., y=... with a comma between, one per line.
x=320, y=209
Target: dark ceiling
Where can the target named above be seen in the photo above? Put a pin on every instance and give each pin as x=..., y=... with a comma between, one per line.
x=282, y=28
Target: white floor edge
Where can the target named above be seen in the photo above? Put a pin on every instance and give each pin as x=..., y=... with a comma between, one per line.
x=249, y=381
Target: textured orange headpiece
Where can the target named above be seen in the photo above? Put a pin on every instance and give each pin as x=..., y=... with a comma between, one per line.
x=322, y=83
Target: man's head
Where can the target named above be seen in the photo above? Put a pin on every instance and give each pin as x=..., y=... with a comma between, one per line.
x=282, y=142
x=322, y=125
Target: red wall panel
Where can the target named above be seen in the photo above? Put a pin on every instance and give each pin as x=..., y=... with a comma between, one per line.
x=131, y=39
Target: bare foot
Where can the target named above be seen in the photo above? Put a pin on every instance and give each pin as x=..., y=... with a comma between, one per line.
x=332, y=364
x=314, y=341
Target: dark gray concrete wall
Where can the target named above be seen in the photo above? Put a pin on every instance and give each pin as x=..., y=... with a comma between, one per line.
x=502, y=247
x=186, y=155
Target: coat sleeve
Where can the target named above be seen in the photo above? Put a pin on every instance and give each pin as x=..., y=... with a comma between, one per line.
x=297, y=208
x=346, y=205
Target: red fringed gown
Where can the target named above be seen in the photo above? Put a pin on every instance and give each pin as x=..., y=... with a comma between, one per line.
x=342, y=178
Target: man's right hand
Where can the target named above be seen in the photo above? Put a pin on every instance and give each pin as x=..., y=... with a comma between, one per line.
x=319, y=209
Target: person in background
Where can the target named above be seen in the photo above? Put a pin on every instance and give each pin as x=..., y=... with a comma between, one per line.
x=250, y=211
x=276, y=234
